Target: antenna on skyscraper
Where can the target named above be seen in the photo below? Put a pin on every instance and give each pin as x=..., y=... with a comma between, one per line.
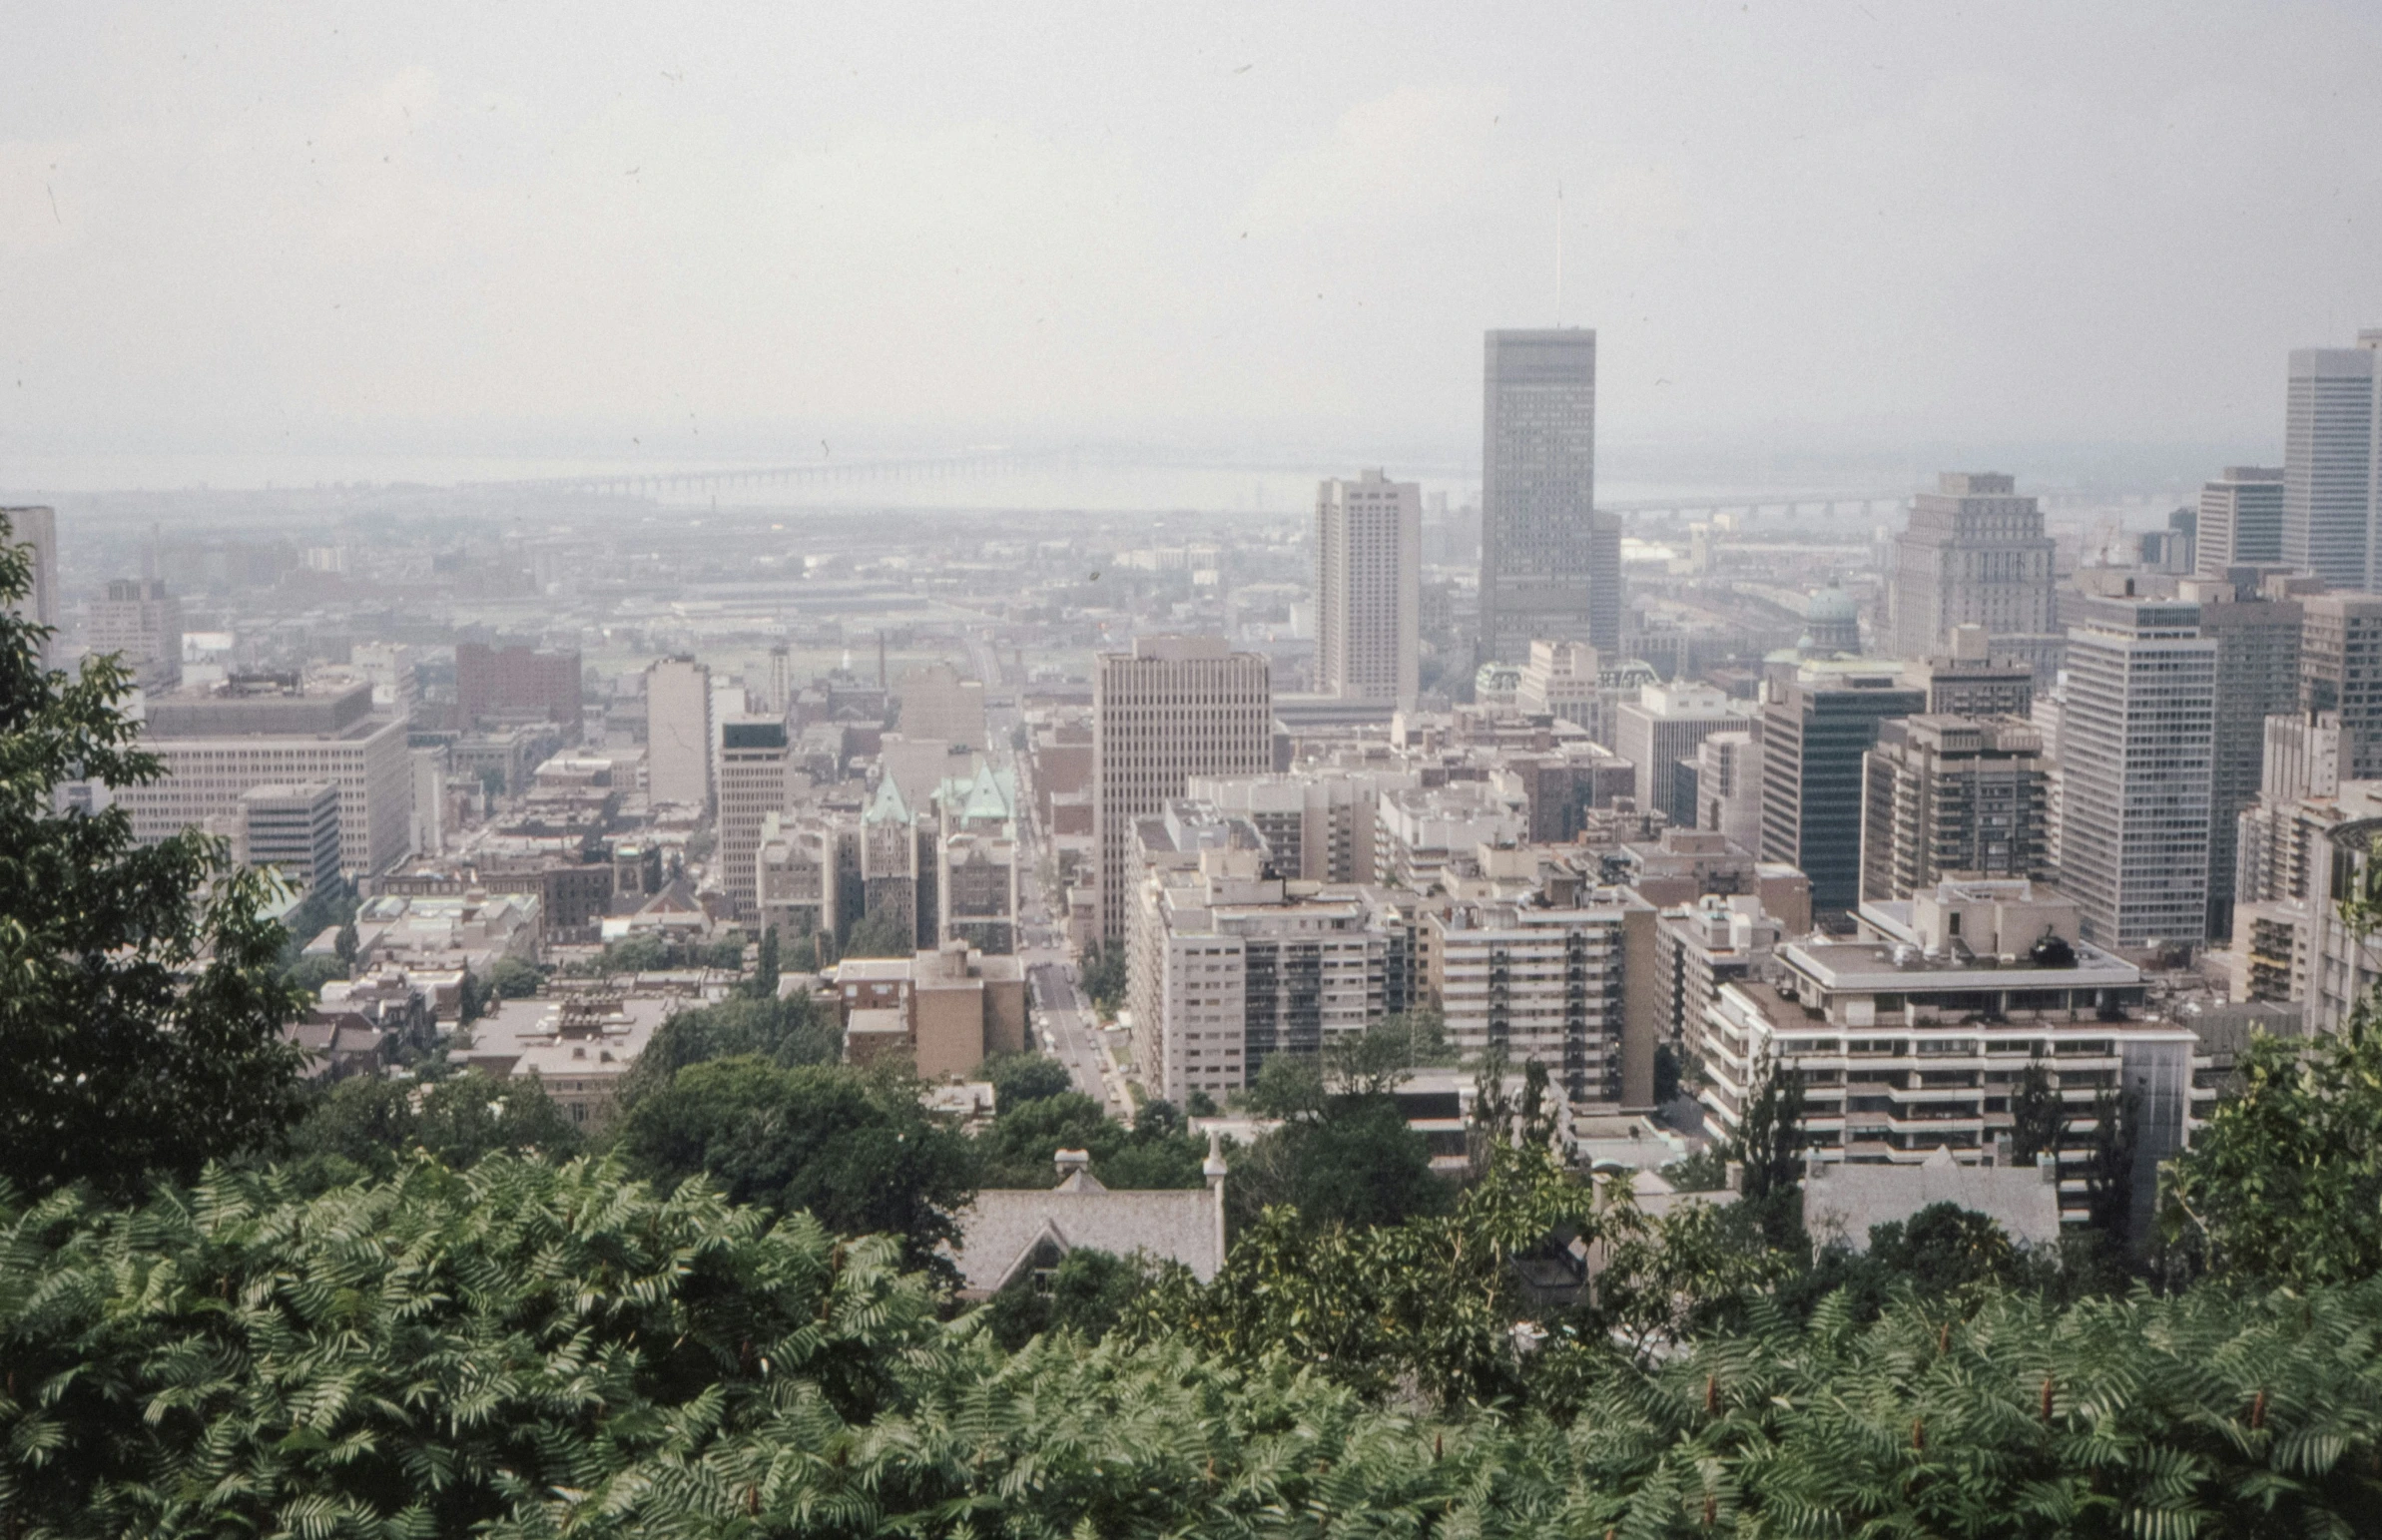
x=1558, y=252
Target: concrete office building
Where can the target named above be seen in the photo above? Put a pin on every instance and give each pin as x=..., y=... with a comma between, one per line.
x=219, y=742
x=1714, y=940
x=1817, y=728
x=1577, y=989
x=1951, y=797
x=1974, y=553
x=1367, y=589
x=139, y=620
x=2340, y=671
x=1173, y=708
x=294, y=830
x=756, y=780
x=2329, y=446
x=37, y=527
x=1969, y=680
x=2136, y=735
x=1550, y=565
x=1662, y=729
x=678, y=733
x=2256, y=625
x=2241, y=520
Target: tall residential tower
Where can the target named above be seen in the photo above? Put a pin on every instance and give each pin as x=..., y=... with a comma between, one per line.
x=1367, y=589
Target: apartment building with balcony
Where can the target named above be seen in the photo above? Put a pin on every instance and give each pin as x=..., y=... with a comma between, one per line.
x=1916, y=1036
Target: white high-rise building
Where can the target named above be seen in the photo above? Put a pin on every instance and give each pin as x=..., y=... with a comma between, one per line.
x=2135, y=752
x=1661, y=729
x=678, y=733
x=1173, y=708
x=1550, y=565
x=1368, y=588
x=2329, y=447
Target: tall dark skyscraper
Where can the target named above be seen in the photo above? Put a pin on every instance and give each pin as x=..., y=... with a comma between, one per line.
x=1550, y=565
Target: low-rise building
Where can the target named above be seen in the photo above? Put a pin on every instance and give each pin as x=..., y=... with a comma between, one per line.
x=943, y=1011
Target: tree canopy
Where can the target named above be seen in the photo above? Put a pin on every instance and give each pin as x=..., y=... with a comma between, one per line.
x=140, y=1024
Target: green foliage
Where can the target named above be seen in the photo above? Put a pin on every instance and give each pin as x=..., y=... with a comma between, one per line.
x=1090, y=1292
x=762, y=985
x=332, y=904
x=726, y=954
x=1429, y=1302
x=140, y=1022
x=880, y=933
x=2037, y=1114
x=1354, y=1162
x=1105, y=976
x=365, y=1126
x=1019, y=1078
x=2284, y=1183
x=310, y=975
x=471, y=998
x=1017, y=1149
x=515, y=978
x=852, y=1148
x=785, y=1032
x=1287, y=1085
x=512, y=1350
x=522, y=1350
x=636, y=954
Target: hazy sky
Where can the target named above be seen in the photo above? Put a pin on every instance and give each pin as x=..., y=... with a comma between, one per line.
x=739, y=229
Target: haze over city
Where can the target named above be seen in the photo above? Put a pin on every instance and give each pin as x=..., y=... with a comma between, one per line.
x=413, y=244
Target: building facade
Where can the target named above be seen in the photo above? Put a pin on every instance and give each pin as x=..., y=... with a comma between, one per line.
x=1577, y=989
x=2257, y=626
x=295, y=829
x=756, y=780
x=2340, y=672
x=1661, y=731
x=494, y=684
x=140, y=620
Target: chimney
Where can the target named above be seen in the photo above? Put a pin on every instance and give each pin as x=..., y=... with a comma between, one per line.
x=880, y=654
x=1733, y=1176
x=1072, y=1162
x=1814, y=1168
x=2046, y=1165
